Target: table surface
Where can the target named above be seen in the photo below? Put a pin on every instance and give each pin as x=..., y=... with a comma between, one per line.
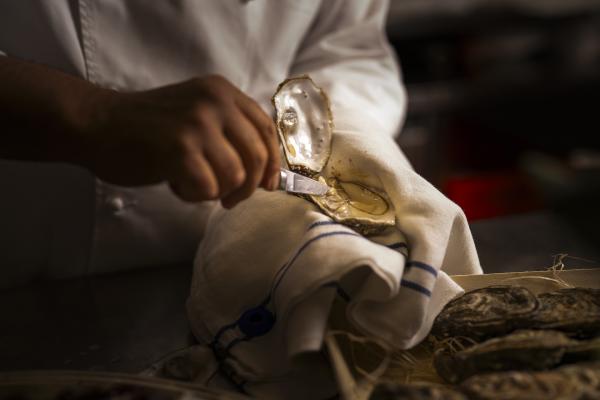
x=124, y=322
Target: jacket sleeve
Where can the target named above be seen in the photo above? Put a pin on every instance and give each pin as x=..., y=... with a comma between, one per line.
x=347, y=53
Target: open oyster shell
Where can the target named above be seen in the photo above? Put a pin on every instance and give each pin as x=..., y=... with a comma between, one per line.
x=304, y=123
x=305, y=126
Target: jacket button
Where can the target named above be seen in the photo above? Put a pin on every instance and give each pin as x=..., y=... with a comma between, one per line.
x=115, y=204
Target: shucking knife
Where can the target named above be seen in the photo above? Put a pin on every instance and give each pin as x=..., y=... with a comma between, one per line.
x=295, y=183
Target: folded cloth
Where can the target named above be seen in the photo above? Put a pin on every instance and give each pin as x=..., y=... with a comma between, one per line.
x=268, y=271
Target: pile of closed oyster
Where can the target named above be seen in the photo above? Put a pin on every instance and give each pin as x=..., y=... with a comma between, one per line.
x=305, y=125
x=505, y=342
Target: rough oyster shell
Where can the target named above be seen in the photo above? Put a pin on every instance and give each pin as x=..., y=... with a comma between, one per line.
x=586, y=377
x=521, y=350
x=305, y=126
x=415, y=391
x=304, y=123
x=584, y=350
x=573, y=382
x=484, y=313
x=574, y=311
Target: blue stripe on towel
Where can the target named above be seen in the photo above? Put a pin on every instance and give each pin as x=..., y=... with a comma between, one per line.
x=398, y=245
x=423, y=266
x=415, y=286
x=321, y=223
x=340, y=290
x=286, y=267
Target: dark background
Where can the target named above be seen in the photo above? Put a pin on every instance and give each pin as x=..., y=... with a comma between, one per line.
x=504, y=102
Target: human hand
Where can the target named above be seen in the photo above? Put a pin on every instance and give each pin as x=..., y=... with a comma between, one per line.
x=205, y=137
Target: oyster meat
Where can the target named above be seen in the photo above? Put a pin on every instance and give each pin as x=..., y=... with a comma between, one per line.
x=521, y=350
x=305, y=126
x=574, y=311
x=574, y=382
x=356, y=205
x=484, y=313
x=415, y=391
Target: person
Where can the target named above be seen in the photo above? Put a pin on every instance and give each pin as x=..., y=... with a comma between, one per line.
x=123, y=121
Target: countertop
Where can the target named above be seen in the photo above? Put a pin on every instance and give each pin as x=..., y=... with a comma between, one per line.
x=126, y=321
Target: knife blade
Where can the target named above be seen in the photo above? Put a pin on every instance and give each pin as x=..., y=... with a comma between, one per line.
x=295, y=183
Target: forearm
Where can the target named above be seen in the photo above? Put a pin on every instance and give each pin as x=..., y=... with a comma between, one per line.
x=347, y=54
x=43, y=113
x=204, y=136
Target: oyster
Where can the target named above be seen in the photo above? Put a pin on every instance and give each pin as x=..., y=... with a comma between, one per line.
x=574, y=311
x=584, y=350
x=305, y=125
x=576, y=382
x=484, y=313
x=521, y=350
x=415, y=391
x=586, y=377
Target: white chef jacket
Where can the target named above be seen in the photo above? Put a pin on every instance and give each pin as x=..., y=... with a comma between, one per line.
x=58, y=221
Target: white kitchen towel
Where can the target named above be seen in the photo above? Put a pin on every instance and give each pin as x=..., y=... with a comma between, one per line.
x=268, y=271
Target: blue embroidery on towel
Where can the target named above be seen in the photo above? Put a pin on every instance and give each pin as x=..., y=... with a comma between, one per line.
x=259, y=320
x=256, y=321
x=249, y=325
